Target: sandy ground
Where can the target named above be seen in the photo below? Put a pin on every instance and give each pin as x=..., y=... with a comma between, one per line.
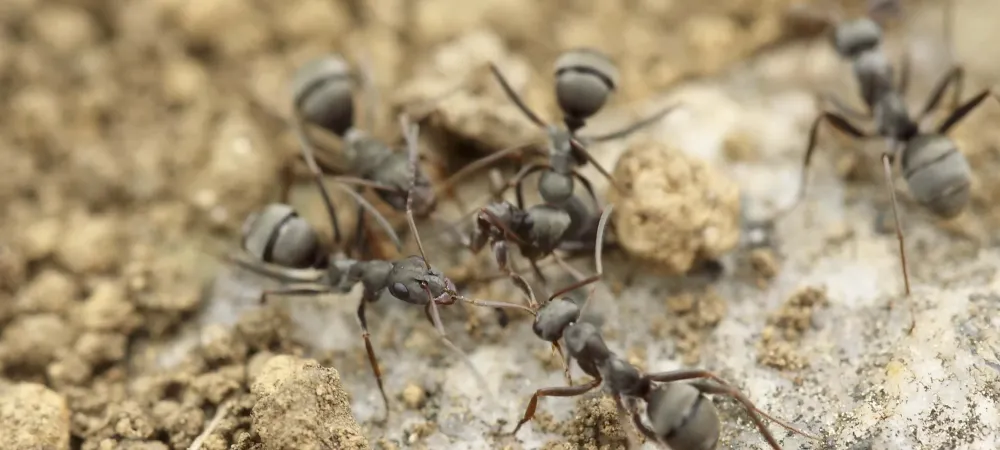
x=137, y=137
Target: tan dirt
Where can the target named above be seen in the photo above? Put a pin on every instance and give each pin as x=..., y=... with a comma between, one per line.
x=673, y=210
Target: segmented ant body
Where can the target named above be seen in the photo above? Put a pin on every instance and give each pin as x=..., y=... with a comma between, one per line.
x=585, y=78
x=537, y=231
x=323, y=95
x=281, y=243
x=936, y=172
x=679, y=414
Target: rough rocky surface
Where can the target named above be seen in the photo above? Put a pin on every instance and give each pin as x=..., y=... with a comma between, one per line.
x=33, y=416
x=302, y=405
x=136, y=137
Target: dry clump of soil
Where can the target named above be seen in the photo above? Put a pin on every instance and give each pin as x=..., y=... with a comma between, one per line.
x=302, y=405
x=33, y=416
x=673, y=210
x=764, y=266
x=692, y=316
x=595, y=426
x=785, y=328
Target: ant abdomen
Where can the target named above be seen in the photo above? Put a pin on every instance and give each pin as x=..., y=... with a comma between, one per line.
x=850, y=38
x=279, y=236
x=323, y=93
x=682, y=417
x=584, y=80
x=937, y=174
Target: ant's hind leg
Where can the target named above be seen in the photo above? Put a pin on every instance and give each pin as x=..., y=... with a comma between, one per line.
x=372, y=360
x=567, y=391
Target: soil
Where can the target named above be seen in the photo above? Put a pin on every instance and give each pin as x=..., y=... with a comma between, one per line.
x=137, y=136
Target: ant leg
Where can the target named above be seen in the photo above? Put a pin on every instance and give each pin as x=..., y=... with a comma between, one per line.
x=566, y=391
x=436, y=320
x=361, y=249
x=372, y=360
x=597, y=257
x=903, y=84
x=838, y=122
x=500, y=253
x=579, y=150
x=286, y=179
x=843, y=107
x=479, y=164
x=518, y=180
x=887, y=170
x=538, y=272
x=274, y=271
x=516, y=99
x=964, y=109
x=632, y=128
x=754, y=412
x=568, y=268
x=956, y=76
x=367, y=75
x=564, y=359
x=295, y=289
x=307, y=153
x=623, y=415
x=366, y=206
x=588, y=186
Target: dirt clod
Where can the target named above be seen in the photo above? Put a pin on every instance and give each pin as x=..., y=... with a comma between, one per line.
x=414, y=396
x=33, y=416
x=785, y=327
x=302, y=405
x=692, y=317
x=673, y=210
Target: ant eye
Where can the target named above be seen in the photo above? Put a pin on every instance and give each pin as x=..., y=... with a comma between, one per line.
x=398, y=290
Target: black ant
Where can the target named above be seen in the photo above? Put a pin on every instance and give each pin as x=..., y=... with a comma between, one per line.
x=279, y=236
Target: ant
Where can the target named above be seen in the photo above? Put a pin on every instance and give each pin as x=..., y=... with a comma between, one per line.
x=282, y=240
x=585, y=78
x=680, y=414
x=322, y=93
x=537, y=231
x=937, y=174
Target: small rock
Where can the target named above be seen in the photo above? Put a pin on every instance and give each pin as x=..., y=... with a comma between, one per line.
x=302, y=405
x=673, y=210
x=33, y=417
x=94, y=246
x=32, y=341
x=414, y=396
x=219, y=344
x=13, y=268
x=50, y=291
x=39, y=240
x=101, y=347
x=108, y=309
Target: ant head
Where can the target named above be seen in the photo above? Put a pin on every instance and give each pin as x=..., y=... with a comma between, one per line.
x=322, y=93
x=410, y=281
x=680, y=415
x=277, y=235
x=853, y=37
x=585, y=79
x=554, y=318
